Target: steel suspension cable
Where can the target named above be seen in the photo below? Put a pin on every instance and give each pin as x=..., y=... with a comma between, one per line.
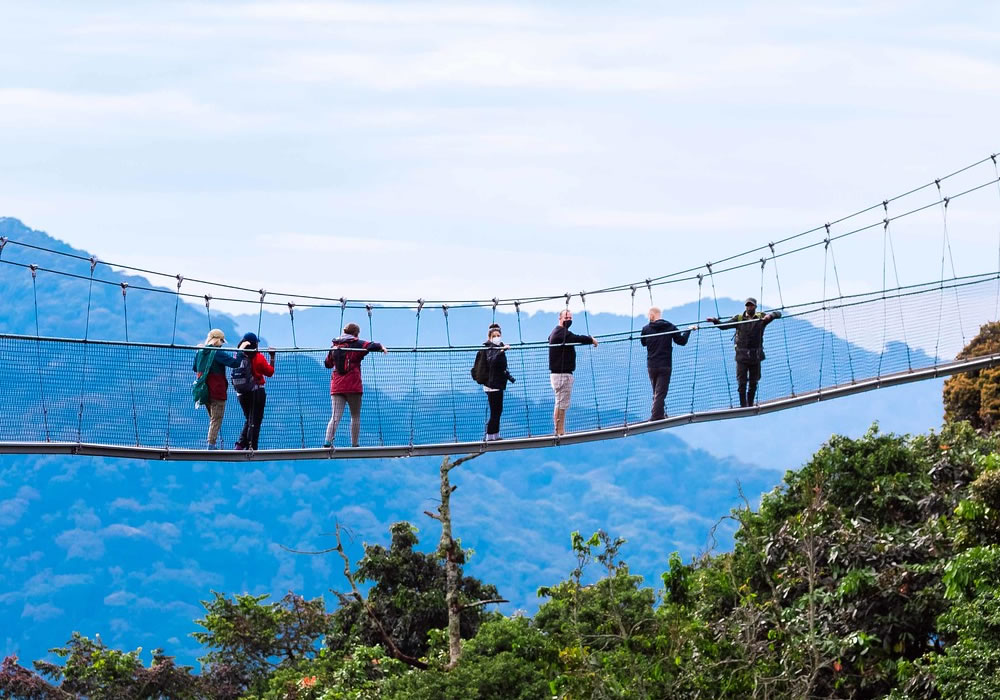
x=451, y=373
x=722, y=342
x=128, y=363
x=298, y=382
x=784, y=330
x=455, y=303
x=524, y=373
x=38, y=355
x=593, y=379
x=378, y=403
x=83, y=368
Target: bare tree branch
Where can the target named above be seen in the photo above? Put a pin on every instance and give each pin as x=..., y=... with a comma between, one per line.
x=469, y=606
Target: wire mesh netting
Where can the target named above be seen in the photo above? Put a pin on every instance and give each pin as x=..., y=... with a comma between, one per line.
x=134, y=394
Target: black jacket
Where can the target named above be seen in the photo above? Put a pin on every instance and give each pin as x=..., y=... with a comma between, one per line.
x=660, y=348
x=562, y=355
x=496, y=362
x=749, y=329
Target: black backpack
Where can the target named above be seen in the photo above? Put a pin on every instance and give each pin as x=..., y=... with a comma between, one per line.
x=340, y=358
x=243, y=379
x=480, y=368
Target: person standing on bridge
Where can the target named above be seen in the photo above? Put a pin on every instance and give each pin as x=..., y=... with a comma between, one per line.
x=491, y=367
x=749, y=343
x=210, y=363
x=344, y=359
x=248, y=380
x=658, y=337
x=562, y=363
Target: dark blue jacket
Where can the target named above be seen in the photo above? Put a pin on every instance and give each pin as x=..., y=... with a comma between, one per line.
x=660, y=347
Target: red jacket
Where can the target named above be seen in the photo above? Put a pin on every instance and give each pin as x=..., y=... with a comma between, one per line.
x=261, y=368
x=355, y=350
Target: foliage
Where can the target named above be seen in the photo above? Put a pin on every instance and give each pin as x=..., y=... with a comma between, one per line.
x=975, y=396
x=248, y=639
x=407, y=595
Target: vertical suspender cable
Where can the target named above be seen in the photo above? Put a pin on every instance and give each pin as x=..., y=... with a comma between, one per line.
x=413, y=387
x=895, y=271
x=722, y=342
x=343, y=308
x=451, y=373
x=593, y=379
x=208, y=311
x=38, y=354
x=173, y=339
x=86, y=337
x=378, y=403
x=495, y=302
x=298, y=382
x=260, y=314
x=885, y=305
x=958, y=306
x=784, y=330
x=524, y=374
x=843, y=315
x=822, y=351
x=631, y=342
x=128, y=363
x=697, y=345
x=996, y=308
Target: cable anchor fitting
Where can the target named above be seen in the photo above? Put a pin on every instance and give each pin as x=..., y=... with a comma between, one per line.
x=180, y=281
x=3, y=242
x=93, y=264
x=567, y=295
x=632, y=287
x=495, y=302
x=583, y=298
x=420, y=306
x=343, y=303
x=517, y=306
x=124, y=286
x=34, y=270
x=291, y=310
x=771, y=246
x=708, y=265
x=208, y=300
x=444, y=308
x=700, y=279
x=885, y=224
x=263, y=293
x=994, y=158
x=763, y=262
x=885, y=206
x=368, y=308
x=946, y=200
x=938, y=183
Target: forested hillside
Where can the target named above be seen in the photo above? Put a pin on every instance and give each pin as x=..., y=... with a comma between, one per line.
x=872, y=571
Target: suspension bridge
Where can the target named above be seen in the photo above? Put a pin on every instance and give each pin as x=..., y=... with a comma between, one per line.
x=125, y=398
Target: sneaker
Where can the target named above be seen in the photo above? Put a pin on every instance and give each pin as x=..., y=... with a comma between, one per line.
x=239, y=446
x=211, y=446
x=328, y=445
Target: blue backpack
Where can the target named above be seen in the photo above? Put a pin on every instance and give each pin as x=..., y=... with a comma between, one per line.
x=243, y=379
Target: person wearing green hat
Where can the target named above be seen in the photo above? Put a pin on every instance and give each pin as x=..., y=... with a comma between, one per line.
x=749, y=345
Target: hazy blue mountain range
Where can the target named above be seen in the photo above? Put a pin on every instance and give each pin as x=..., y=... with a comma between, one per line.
x=126, y=548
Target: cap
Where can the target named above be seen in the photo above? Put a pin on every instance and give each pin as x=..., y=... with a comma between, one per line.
x=751, y=300
x=215, y=337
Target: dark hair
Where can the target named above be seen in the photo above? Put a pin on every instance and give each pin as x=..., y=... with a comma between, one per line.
x=352, y=329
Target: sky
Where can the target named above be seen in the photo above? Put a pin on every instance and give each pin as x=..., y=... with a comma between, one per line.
x=398, y=150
